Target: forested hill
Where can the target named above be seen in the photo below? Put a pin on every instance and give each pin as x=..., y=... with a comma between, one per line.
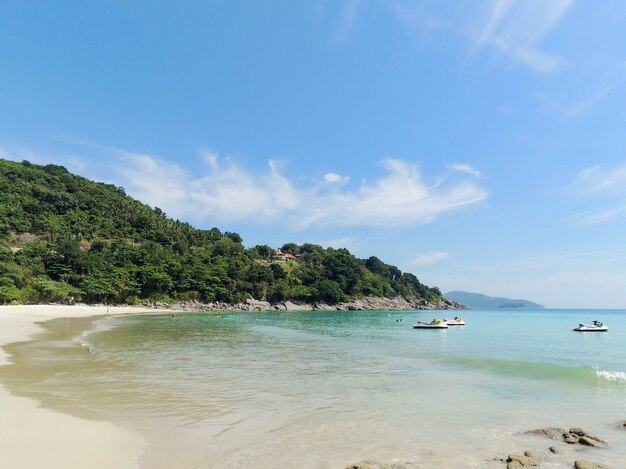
x=65, y=238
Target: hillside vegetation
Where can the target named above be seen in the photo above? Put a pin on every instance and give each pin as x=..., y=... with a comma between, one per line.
x=65, y=238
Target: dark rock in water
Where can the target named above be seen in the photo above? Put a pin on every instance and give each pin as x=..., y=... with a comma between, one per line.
x=374, y=465
x=584, y=464
x=554, y=433
x=589, y=440
x=555, y=450
x=570, y=439
x=578, y=431
x=522, y=460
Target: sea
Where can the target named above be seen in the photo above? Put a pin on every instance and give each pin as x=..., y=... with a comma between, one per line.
x=313, y=389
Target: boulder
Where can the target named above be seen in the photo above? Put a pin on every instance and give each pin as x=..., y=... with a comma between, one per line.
x=522, y=460
x=554, y=433
x=589, y=440
x=530, y=454
x=570, y=439
x=584, y=464
x=555, y=450
x=578, y=431
x=514, y=465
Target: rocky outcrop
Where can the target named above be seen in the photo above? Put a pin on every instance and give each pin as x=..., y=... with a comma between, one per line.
x=573, y=436
x=369, y=303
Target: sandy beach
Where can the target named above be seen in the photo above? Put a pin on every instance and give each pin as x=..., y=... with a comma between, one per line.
x=33, y=437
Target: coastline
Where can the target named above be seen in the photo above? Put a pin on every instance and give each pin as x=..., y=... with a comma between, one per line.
x=34, y=437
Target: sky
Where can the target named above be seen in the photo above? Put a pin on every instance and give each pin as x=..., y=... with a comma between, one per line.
x=479, y=144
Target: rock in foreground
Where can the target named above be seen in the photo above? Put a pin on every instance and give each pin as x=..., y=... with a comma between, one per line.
x=584, y=464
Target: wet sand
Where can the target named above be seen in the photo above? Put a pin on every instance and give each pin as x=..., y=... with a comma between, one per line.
x=32, y=437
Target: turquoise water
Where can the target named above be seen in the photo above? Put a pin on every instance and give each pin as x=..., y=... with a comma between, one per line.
x=325, y=389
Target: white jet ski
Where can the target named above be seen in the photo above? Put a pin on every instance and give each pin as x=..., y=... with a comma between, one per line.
x=434, y=324
x=457, y=321
x=595, y=326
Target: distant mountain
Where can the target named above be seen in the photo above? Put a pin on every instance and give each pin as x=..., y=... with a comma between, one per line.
x=478, y=300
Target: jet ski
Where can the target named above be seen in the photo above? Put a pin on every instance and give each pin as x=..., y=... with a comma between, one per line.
x=434, y=324
x=457, y=321
x=595, y=326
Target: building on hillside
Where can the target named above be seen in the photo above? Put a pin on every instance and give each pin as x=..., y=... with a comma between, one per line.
x=279, y=255
x=284, y=256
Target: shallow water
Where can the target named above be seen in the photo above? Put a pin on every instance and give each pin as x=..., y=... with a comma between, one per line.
x=325, y=389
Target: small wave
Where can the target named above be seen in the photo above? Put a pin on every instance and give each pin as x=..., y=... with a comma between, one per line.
x=583, y=375
x=610, y=375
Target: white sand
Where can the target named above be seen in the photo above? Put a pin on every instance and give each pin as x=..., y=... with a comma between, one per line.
x=32, y=437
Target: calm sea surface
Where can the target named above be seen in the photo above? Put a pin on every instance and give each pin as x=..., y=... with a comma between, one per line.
x=325, y=389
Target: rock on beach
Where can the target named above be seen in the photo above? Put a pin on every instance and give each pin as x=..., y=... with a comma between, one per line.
x=584, y=464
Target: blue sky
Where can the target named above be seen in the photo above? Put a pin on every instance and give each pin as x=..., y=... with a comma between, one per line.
x=479, y=144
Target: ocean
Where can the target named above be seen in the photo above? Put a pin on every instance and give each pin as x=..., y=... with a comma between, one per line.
x=326, y=389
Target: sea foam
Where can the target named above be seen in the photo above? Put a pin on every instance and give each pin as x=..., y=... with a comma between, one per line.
x=611, y=375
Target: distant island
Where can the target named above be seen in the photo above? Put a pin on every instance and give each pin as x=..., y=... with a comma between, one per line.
x=480, y=301
x=64, y=238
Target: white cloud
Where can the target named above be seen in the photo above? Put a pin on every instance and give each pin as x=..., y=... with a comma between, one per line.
x=334, y=178
x=465, y=168
x=399, y=197
x=428, y=258
x=517, y=27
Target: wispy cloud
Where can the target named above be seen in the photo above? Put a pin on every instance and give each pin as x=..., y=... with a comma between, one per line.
x=580, y=107
x=601, y=181
x=465, y=168
x=607, y=185
x=428, y=258
x=594, y=217
x=415, y=15
x=347, y=19
x=517, y=27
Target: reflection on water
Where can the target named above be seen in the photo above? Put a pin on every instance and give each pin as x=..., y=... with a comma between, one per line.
x=326, y=389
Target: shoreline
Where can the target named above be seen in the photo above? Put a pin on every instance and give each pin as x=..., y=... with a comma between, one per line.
x=367, y=303
x=30, y=435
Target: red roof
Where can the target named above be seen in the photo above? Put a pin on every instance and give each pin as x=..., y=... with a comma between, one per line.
x=290, y=256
